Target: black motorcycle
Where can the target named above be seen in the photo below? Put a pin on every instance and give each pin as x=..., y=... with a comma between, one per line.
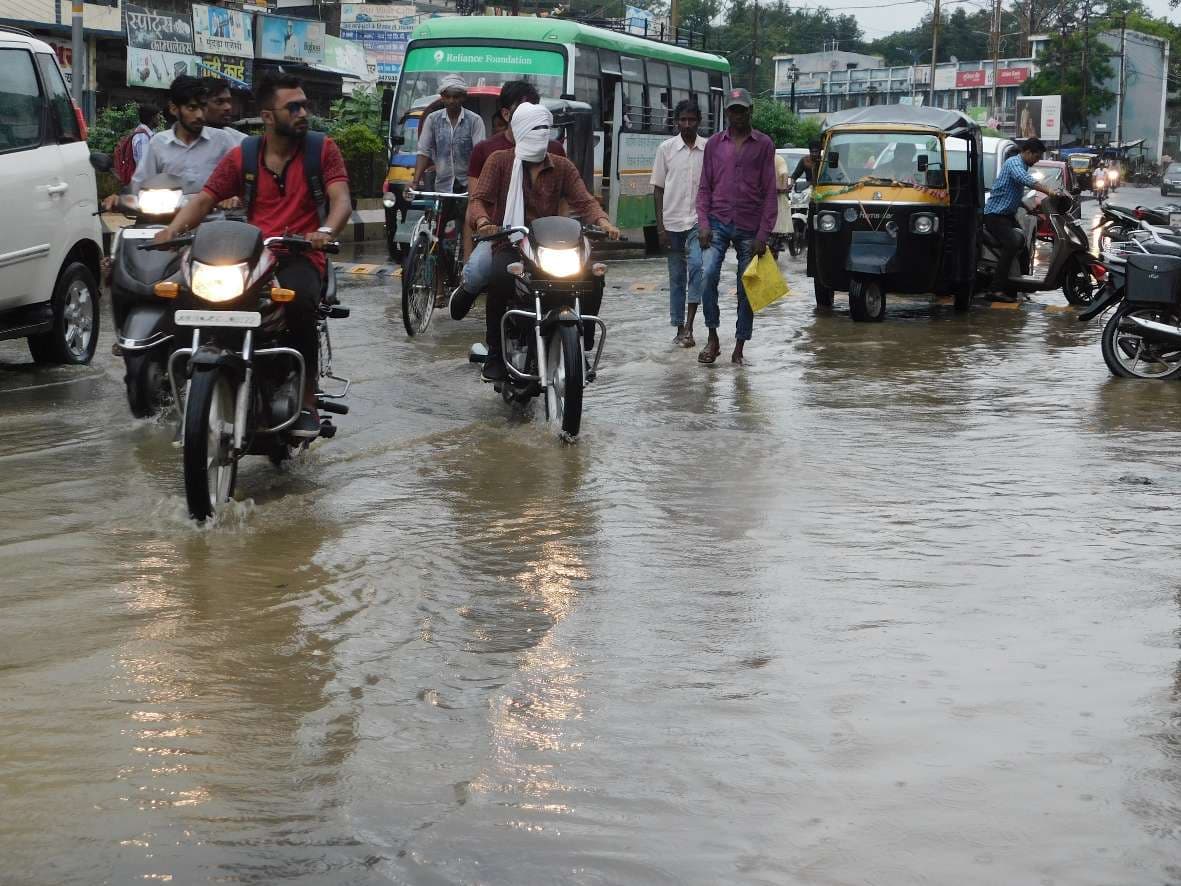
x=1117, y=222
x=245, y=388
x=1142, y=338
x=544, y=334
x=144, y=331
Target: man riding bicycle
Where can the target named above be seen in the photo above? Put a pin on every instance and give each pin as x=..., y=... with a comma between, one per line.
x=515, y=188
x=284, y=197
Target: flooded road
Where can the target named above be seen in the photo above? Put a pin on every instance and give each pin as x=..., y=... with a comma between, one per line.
x=894, y=604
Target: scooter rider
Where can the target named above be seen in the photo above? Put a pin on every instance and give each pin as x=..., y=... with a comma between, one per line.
x=515, y=188
x=1000, y=212
x=285, y=202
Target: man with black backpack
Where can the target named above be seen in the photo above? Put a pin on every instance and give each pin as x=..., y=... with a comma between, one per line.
x=292, y=182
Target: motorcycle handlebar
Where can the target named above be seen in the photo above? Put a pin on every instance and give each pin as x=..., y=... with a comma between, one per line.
x=443, y=195
x=300, y=244
x=589, y=231
x=182, y=240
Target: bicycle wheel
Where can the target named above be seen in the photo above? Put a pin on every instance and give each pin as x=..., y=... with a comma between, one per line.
x=418, y=287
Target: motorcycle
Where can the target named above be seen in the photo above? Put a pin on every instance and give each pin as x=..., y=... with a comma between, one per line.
x=1113, y=176
x=244, y=389
x=1072, y=268
x=144, y=331
x=1142, y=338
x=1117, y=224
x=543, y=347
x=1099, y=185
x=798, y=238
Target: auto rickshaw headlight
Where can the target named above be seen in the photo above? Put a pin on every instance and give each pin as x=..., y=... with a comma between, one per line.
x=923, y=223
x=827, y=222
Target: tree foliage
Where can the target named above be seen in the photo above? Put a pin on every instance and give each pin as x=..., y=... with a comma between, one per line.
x=111, y=124
x=362, y=108
x=781, y=125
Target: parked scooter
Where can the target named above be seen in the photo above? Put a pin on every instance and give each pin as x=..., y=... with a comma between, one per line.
x=144, y=331
x=543, y=347
x=245, y=390
x=1072, y=268
x=798, y=238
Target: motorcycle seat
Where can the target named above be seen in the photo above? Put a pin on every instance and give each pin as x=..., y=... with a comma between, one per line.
x=1163, y=249
x=1122, y=210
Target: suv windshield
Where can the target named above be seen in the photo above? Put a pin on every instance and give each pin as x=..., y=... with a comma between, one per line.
x=887, y=157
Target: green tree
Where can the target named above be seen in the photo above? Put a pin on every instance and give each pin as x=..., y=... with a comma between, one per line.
x=363, y=107
x=1062, y=72
x=782, y=126
x=111, y=124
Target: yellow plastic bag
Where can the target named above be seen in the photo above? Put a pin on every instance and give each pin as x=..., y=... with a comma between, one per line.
x=763, y=282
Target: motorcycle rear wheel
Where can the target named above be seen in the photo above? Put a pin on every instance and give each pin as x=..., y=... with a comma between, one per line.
x=209, y=470
x=564, y=369
x=146, y=382
x=1128, y=355
x=418, y=287
x=1079, y=285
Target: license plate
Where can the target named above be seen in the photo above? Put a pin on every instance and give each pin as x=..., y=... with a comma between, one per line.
x=1175, y=219
x=235, y=319
x=139, y=233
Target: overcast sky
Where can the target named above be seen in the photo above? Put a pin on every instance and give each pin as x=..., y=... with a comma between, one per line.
x=883, y=17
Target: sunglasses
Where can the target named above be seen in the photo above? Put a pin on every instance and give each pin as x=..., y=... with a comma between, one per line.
x=292, y=107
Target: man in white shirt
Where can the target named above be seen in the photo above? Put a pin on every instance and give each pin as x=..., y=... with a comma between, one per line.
x=149, y=118
x=676, y=175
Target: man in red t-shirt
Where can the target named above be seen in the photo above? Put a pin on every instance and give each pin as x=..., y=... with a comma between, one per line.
x=283, y=205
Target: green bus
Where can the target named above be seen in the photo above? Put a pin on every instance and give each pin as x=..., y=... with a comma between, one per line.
x=631, y=83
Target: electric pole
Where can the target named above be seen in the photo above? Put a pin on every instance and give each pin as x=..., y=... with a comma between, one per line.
x=674, y=18
x=78, y=64
x=754, y=61
x=934, y=50
x=1086, y=74
x=996, y=56
x=1123, y=79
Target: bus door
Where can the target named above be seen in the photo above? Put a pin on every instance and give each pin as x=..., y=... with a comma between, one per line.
x=612, y=129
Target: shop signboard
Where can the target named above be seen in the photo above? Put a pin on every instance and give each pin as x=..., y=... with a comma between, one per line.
x=238, y=71
x=403, y=15
x=221, y=31
x=971, y=79
x=290, y=39
x=159, y=46
x=1039, y=116
x=1012, y=76
x=345, y=57
x=383, y=31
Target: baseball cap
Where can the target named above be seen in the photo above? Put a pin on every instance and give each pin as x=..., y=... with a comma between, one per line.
x=738, y=97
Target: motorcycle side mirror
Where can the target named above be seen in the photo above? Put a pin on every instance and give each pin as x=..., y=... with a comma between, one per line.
x=834, y=159
x=100, y=161
x=923, y=162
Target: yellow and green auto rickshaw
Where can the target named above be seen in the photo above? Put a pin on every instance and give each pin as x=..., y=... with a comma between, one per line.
x=893, y=210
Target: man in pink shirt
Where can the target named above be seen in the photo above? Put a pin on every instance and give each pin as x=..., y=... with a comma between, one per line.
x=736, y=206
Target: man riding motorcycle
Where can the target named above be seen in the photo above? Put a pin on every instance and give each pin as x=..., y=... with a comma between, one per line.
x=516, y=187
x=283, y=198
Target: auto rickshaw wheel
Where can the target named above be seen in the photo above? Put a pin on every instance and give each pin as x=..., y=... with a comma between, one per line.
x=824, y=297
x=964, y=293
x=867, y=300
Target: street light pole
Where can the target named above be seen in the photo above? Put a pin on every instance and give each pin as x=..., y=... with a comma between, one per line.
x=934, y=49
x=794, y=74
x=78, y=64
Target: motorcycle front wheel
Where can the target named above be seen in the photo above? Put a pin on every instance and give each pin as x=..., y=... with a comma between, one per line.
x=1128, y=355
x=210, y=471
x=564, y=369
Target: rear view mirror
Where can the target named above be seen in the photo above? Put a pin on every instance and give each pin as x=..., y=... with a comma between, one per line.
x=100, y=161
x=923, y=162
x=834, y=159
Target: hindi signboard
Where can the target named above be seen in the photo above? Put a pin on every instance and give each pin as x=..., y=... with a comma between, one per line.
x=239, y=72
x=221, y=31
x=290, y=39
x=383, y=30
x=159, y=46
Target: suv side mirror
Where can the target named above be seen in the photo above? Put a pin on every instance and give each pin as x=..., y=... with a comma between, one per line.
x=922, y=162
x=100, y=161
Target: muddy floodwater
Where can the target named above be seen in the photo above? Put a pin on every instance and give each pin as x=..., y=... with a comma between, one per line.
x=894, y=604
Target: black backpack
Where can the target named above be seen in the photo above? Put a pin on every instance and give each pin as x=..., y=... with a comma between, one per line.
x=313, y=149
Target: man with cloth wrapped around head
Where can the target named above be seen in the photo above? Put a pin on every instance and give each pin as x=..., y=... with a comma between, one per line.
x=516, y=187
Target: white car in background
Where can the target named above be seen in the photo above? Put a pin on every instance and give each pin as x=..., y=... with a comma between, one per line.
x=50, y=239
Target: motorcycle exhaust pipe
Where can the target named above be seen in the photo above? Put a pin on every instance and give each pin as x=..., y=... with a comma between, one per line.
x=1162, y=333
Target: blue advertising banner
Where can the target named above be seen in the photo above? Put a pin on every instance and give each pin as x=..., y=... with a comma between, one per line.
x=221, y=31
x=290, y=39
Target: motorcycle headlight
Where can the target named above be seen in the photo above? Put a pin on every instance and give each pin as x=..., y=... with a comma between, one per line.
x=159, y=202
x=219, y=283
x=1100, y=182
x=559, y=262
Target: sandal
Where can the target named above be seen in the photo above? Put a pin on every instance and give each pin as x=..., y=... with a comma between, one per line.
x=688, y=341
x=709, y=354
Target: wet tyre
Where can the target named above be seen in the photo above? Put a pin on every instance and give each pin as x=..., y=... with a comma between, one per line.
x=74, y=335
x=145, y=381
x=824, y=297
x=1127, y=353
x=564, y=369
x=209, y=469
x=1079, y=285
x=795, y=244
x=418, y=287
x=867, y=301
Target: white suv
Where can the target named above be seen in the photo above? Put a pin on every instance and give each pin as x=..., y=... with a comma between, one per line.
x=50, y=239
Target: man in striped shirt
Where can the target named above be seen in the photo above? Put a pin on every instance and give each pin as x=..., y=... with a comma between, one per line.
x=1000, y=212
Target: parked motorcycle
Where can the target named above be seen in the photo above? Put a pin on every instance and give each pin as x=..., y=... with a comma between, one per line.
x=544, y=347
x=1117, y=224
x=144, y=331
x=245, y=389
x=1142, y=338
x=1072, y=268
x=798, y=238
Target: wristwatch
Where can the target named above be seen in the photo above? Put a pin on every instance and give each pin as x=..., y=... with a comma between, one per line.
x=324, y=229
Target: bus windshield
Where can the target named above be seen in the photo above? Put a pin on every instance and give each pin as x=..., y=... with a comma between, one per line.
x=886, y=157
x=426, y=66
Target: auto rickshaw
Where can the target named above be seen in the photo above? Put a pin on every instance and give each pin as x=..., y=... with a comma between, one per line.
x=887, y=212
x=1083, y=166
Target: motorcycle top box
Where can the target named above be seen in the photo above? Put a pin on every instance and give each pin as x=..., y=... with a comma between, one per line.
x=1154, y=279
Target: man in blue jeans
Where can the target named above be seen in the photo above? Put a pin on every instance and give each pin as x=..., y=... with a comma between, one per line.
x=736, y=206
x=676, y=175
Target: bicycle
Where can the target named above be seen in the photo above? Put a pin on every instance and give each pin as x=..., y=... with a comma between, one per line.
x=434, y=260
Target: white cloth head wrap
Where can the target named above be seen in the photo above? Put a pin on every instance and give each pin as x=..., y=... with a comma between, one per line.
x=452, y=81
x=531, y=143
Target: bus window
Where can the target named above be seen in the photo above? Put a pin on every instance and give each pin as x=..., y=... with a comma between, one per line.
x=610, y=62
x=680, y=77
x=586, y=79
x=659, y=109
x=634, y=106
x=700, y=81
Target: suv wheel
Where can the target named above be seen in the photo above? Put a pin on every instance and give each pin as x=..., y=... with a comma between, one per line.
x=74, y=336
